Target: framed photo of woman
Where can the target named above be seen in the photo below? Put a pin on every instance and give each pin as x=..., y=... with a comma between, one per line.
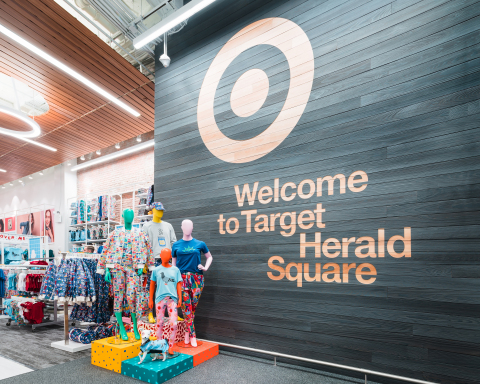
x=49, y=232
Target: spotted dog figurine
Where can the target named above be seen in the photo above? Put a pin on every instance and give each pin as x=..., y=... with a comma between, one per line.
x=153, y=347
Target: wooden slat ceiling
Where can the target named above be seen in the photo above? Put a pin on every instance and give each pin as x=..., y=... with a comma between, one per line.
x=79, y=121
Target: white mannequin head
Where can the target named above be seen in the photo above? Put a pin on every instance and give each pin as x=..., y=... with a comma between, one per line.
x=187, y=228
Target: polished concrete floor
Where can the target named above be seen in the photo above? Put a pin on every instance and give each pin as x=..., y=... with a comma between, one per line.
x=27, y=357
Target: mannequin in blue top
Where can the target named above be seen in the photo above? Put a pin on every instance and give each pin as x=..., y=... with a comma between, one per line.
x=186, y=255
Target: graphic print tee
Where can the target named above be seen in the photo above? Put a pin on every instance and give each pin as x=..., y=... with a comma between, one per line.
x=188, y=254
x=161, y=235
x=166, y=280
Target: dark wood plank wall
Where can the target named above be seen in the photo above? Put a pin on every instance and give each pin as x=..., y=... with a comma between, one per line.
x=396, y=95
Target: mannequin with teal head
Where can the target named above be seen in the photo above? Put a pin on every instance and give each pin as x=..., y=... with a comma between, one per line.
x=128, y=216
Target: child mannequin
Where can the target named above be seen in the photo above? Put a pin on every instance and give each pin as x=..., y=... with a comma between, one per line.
x=166, y=288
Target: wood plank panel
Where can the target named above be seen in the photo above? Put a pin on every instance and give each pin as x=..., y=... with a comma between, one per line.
x=395, y=94
x=79, y=121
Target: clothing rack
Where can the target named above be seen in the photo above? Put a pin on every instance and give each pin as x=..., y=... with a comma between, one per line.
x=69, y=255
x=44, y=322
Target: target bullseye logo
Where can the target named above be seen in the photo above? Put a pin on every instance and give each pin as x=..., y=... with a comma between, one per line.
x=251, y=89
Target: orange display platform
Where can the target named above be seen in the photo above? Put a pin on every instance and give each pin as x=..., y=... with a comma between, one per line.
x=201, y=353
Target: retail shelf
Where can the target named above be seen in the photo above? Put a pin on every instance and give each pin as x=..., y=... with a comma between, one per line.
x=88, y=241
x=141, y=194
x=103, y=222
x=76, y=225
x=140, y=206
x=144, y=217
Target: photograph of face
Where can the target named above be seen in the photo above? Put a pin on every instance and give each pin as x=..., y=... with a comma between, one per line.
x=2, y=226
x=49, y=225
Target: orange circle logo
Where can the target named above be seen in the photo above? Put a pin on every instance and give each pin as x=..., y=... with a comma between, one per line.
x=249, y=93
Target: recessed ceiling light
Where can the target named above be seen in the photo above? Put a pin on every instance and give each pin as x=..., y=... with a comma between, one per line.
x=98, y=152
x=20, y=181
x=139, y=138
x=11, y=184
x=117, y=146
x=82, y=157
x=66, y=69
x=69, y=164
x=40, y=173
x=3, y=187
x=171, y=21
x=30, y=177
x=3, y=170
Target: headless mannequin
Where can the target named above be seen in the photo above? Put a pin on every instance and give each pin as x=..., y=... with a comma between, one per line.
x=128, y=216
x=187, y=229
x=166, y=257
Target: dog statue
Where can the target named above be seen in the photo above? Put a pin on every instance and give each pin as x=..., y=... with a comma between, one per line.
x=153, y=347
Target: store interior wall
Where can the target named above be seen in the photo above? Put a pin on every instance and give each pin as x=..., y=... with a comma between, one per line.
x=122, y=175
x=395, y=94
x=52, y=188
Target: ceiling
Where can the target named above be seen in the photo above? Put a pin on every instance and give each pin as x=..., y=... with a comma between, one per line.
x=79, y=121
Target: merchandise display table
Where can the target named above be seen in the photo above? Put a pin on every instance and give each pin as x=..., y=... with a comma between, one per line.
x=106, y=354
x=157, y=371
x=201, y=353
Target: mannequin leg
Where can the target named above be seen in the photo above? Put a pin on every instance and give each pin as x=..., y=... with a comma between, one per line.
x=173, y=317
x=160, y=307
x=135, y=327
x=123, y=332
x=192, y=290
x=118, y=281
x=132, y=287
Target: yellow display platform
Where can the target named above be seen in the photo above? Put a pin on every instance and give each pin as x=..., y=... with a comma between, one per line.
x=106, y=354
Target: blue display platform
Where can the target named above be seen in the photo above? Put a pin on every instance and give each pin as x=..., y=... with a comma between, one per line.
x=157, y=371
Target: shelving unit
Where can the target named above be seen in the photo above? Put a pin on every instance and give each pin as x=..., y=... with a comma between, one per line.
x=88, y=225
x=136, y=206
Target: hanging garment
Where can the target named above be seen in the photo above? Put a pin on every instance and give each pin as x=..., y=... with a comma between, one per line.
x=150, y=195
x=99, y=312
x=48, y=284
x=21, y=282
x=3, y=279
x=113, y=253
x=12, y=281
x=33, y=282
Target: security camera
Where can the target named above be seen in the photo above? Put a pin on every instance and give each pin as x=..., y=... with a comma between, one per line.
x=165, y=60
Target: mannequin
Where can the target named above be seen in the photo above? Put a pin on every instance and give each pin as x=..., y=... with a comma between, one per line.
x=186, y=256
x=127, y=251
x=161, y=235
x=166, y=292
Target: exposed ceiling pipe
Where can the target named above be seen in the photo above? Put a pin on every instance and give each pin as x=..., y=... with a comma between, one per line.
x=97, y=16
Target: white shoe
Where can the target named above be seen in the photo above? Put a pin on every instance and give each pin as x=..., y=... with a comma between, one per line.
x=187, y=338
x=193, y=341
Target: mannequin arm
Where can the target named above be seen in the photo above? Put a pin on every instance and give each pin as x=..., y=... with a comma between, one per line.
x=174, y=261
x=179, y=294
x=108, y=277
x=208, y=263
x=153, y=286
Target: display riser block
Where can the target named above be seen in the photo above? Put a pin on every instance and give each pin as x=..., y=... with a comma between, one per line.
x=72, y=346
x=110, y=356
x=157, y=371
x=203, y=352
